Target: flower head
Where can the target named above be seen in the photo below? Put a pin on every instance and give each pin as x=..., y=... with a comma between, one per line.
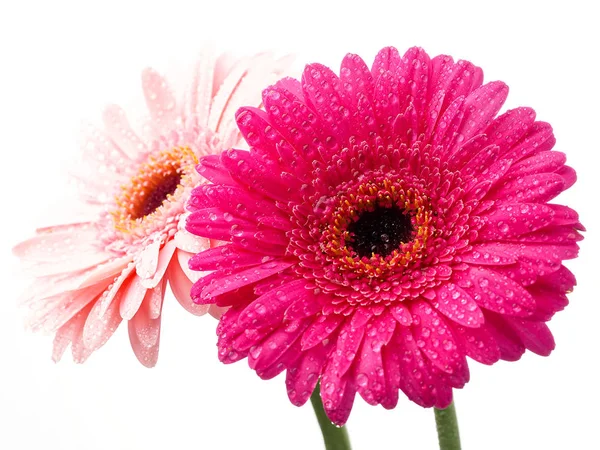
x=384, y=225
x=92, y=275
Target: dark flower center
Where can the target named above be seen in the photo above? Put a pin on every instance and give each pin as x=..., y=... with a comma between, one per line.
x=380, y=232
x=155, y=198
x=154, y=185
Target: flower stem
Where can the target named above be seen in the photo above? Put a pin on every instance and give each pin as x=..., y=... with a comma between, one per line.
x=447, y=428
x=335, y=438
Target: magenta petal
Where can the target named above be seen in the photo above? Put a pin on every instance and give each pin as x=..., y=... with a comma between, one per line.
x=305, y=306
x=515, y=219
x=268, y=309
x=388, y=59
x=568, y=174
x=356, y=78
x=211, y=223
x=416, y=380
x=539, y=138
x=435, y=339
x=323, y=92
x=496, y=292
x=414, y=75
x=481, y=106
x=227, y=331
x=479, y=344
x=535, y=335
x=276, y=345
x=256, y=129
x=303, y=376
x=338, y=400
x=538, y=163
x=294, y=119
x=320, y=329
x=402, y=314
x=287, y=359
x=263, y=175
x=219, y=285
x=211, y=168
x=217, y=258
x=489, y=254
x=391, y=355
x=349, y=340
x=457, y=305
x=369, y=372
x=509, y=343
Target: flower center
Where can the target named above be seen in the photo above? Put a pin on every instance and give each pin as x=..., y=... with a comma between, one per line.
x=374, y=227
x=155, y=183
x=160, y=192
x=380, y=232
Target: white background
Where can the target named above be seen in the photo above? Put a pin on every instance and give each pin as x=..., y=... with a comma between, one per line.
x=63, y=60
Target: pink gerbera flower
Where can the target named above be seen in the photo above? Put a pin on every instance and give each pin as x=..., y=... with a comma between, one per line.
x=92, y=275
x=385, y=225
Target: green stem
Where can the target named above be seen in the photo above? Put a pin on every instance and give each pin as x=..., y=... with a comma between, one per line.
x=335, y=438
x=447, y=428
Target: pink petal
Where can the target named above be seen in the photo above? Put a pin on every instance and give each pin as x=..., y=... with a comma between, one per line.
x=186, y=241
x=148, y=356
x=69, y=332
x=181, y=286
x=100, y=327
x=201, y=89
x=145, y=328
x=154, y=298
x=146, y=262
x=164, y=258
x=119, y=130
x=132, y=298
x=115, y=288
x=52, y=313
x=160, y=101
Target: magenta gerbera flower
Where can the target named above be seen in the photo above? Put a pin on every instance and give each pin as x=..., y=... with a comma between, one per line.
x=92, y=275
x=385, y=225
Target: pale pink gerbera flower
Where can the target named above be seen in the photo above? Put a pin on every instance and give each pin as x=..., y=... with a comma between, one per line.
x=385, y=225
x=92, y=275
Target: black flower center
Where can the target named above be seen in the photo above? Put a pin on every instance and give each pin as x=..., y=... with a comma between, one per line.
x=380, y=232
x=158, y=194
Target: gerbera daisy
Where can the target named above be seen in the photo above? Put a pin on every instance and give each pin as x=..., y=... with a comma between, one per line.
x=92, y=275
x=384, y=225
